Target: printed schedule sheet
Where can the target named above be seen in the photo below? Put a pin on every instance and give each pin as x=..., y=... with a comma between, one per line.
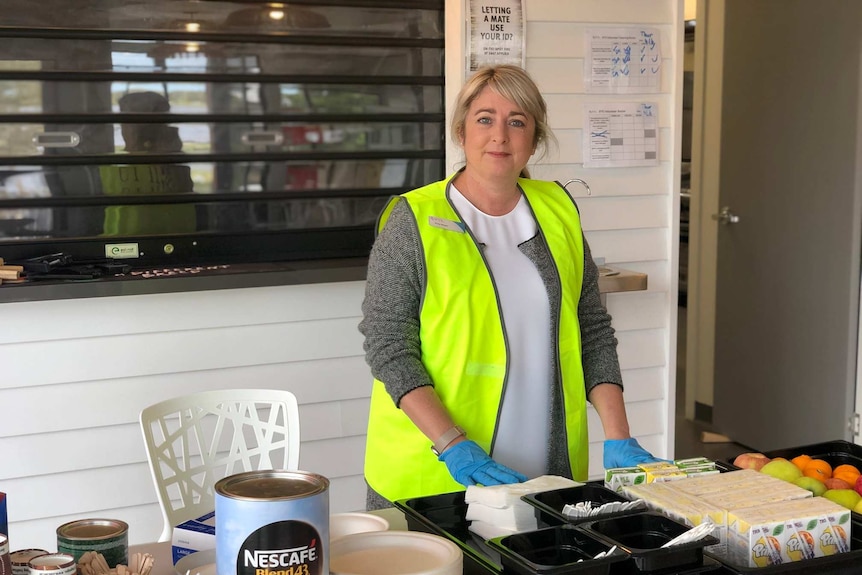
x=620, y=135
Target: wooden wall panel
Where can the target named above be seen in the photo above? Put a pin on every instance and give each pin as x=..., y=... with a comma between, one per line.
x=156, y=313
x=605, y=183
x=602, y=11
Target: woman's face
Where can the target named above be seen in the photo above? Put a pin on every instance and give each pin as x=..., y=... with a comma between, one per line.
x=498, y=137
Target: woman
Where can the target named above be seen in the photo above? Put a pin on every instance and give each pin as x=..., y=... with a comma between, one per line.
x=483, y=324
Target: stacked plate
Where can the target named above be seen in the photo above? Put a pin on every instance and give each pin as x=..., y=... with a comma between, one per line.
x=394, y=553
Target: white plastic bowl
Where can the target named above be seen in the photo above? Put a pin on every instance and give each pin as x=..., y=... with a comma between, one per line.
x=341, y=524
x=394, y=553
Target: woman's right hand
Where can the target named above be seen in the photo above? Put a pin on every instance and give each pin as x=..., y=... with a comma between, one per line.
x=470, y=465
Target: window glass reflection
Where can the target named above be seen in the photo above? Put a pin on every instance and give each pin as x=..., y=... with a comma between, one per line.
x=193, y=16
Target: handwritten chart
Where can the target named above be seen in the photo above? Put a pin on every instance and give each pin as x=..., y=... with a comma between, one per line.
x=620, y=135
x=622, y=60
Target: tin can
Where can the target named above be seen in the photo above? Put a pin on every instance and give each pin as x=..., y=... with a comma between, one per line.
x=272, y=523
x=5, y=560
x=53, y=564
x=21, y=559
x=110, y=537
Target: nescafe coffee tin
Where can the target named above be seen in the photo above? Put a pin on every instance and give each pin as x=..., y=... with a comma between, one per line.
x=110, y=537
x=21, y=559
x=272, y=523
x=53, y=564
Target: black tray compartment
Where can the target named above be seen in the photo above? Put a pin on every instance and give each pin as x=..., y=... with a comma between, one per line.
x=446, y=515
x=549, y=504
x=643, y=534
x=555, y=551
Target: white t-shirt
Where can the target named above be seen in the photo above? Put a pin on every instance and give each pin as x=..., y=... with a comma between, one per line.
x=524, y=428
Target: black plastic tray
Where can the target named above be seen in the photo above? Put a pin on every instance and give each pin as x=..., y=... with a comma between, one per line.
x=555, y=551
x=643, y=534
x=835, y=453
x=549, y=504
x=849, y=563
x=446, y=515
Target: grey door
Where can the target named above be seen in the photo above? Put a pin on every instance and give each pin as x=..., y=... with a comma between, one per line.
x=788, y=270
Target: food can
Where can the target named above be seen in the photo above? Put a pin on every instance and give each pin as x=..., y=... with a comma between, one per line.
x=272, y=523
x=110, y=537
x=21, y=559
x=53, y=564
x=5, y=560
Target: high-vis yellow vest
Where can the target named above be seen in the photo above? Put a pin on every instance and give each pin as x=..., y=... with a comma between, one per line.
x=464, y=347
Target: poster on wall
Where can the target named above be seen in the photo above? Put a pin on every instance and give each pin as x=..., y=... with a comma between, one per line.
x=497, y=33
x=622, y=60
x=620, y=135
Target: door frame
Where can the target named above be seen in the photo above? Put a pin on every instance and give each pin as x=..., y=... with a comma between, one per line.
x=703, y=231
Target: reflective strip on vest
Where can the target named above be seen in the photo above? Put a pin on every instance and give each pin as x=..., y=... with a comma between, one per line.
x=469, y=373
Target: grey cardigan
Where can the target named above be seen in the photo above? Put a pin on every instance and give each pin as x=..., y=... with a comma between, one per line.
x=390, y=323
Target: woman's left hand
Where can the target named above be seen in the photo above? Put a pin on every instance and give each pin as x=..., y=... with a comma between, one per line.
x=626, y=453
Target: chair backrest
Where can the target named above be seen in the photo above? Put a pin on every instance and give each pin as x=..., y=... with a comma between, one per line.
x=195, y=440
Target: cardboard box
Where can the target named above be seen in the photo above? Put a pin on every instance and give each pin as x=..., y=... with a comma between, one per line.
x=193, y=535
x=788, y=531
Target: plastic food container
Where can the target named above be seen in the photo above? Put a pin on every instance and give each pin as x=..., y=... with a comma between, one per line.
x=549, y=504
x=835, y=453
x=394, y=553
x=555, y=551
x=342, y=524
x=643, y=534
x=446, y=515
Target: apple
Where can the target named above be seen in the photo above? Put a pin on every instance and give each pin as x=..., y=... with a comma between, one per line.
x=782, y=469
x=844, y=497
x=858, y=486
x=835, y=483
x=751, y=461
x=815, y=486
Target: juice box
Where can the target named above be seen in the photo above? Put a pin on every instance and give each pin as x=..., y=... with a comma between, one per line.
x=618, y=477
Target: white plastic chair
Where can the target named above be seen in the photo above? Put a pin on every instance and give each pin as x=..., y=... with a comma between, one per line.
x=195, y=440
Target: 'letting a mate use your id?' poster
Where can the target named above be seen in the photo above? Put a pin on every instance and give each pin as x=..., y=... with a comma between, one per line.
x=496, y=33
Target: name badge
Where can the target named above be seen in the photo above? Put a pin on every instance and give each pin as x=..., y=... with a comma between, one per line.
x=445, y=224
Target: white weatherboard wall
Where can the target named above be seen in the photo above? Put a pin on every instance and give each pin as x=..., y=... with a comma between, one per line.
x=76, y=373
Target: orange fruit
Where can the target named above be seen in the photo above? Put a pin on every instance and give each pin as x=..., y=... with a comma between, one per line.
x=846, y=467
x=818, y=469
x=848, y=473
x=801, y=461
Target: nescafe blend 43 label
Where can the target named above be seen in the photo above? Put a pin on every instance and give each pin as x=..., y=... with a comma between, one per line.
x=282, y=548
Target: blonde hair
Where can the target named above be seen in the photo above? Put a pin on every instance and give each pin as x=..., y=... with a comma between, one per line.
x=514, y=84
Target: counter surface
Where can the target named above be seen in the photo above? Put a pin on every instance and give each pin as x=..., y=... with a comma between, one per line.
x=215, y=277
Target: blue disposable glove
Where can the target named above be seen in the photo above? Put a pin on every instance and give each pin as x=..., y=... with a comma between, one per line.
x=626, y=453
x=470, y=465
